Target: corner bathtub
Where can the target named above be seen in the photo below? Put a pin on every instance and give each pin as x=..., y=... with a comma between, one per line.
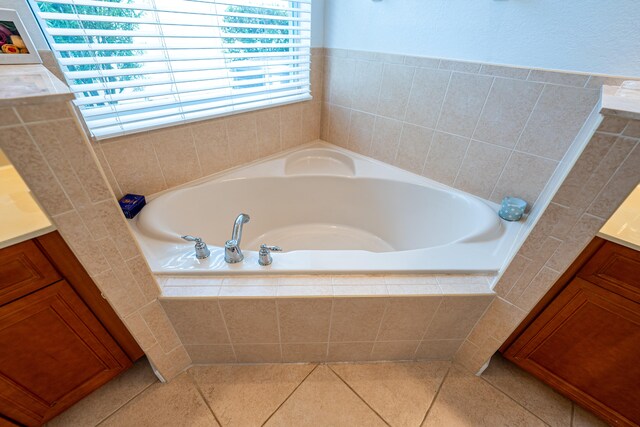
x=331, y=211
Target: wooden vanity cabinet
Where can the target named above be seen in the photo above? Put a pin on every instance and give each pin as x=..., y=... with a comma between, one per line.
x=59, y=339
x=583, y=339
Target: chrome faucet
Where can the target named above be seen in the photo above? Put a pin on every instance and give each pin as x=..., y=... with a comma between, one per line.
x=232, y=252
x=202, y=251
x=264, y=256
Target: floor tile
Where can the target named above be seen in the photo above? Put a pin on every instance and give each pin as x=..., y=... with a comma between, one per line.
x=246, y=395
x=324, y=400
x=108, y=398
x=528, y=391
x=400, y=392
x=466, y=400
x=177, y=403
x=583, y=418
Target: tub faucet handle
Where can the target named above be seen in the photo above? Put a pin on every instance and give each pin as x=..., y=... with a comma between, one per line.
x=264, y=256
x=202, y=251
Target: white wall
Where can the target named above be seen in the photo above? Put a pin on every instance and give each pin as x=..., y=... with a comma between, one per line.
x=598, y=36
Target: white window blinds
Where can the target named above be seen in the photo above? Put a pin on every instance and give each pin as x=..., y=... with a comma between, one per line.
x=143, y=64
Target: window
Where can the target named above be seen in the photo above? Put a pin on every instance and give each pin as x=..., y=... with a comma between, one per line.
x=143, y=64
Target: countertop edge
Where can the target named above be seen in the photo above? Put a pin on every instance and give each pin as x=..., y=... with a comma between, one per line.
x=27, y=236
x=618, y=241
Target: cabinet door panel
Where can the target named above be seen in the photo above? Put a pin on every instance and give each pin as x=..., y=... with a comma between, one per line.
x=587, y=344
x=54, y=352
x=23, y=269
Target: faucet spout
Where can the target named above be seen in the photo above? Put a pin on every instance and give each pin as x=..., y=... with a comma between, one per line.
x=232, y=252
x=237, y=227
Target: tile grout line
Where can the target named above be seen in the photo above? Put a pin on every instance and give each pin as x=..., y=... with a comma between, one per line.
x=128, y=401
x=510, y=398
x=289, y=395
x=573, y=413
x=206, y=402
x=356, y=393
x=435, y=396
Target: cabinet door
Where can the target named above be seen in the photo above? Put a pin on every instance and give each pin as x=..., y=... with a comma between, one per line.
x=53, y=352
x=587, y=345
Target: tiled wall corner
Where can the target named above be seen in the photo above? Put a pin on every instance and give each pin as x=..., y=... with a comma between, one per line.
x=485, y=129
x=148, y=162
x=55, y=159
x=605, y=173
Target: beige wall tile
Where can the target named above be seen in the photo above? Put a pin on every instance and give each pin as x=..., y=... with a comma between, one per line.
x=134, y=163
x=177, y=155
x=360, y=54
x=75, y=233
x=145, y=280
x=456, y=316
x=407, y=319
x=140, y=331
x=502, y=71
x=324, y=122
x=169, y=364
x=569, y=193
x=414, y=146
x=251, y=321
x=584, y=418
x=386, y=137
x=511, y=275
x=619, y=187
x=317, y=77
x=463, y=103
x=524, y=176
x=161, y=326
x=243, y=138
x=349, y=351
x=394, y=91
x=427, y=95
x=304, y=352
x=481, y=168
x=555, y=77
x=445, y=157
x=537, y=288
x=114, y=221
x=497, y=322
x=394, y=350
x=366, y=85
x=197, y=321
x=291, y=125
x=390, y=58
x=210, y=139
x=18, y=146
x=304, y=319
x=553, y=125
x=437, y=349
x=361, y=132
x=311, y=121
x=580, y=235
x=122, y=273
x=596, y=82
x=423, y=62
x=258, y=353
x=339, y=121
x=340, y=72
x=44, y=111
x=465, y=67
x=211, y=354
x=505, y=114
x=356, y=319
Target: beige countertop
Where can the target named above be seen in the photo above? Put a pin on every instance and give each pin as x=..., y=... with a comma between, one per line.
x=21, y=218
x=28, y=84
x=624, y=225
x=614, y=104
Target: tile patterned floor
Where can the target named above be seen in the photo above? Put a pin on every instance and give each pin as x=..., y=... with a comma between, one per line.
x=420, y=394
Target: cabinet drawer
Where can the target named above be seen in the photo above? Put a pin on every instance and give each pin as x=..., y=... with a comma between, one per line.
x=24, y=269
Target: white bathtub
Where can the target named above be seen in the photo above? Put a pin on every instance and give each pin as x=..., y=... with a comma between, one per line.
x=330, y=210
